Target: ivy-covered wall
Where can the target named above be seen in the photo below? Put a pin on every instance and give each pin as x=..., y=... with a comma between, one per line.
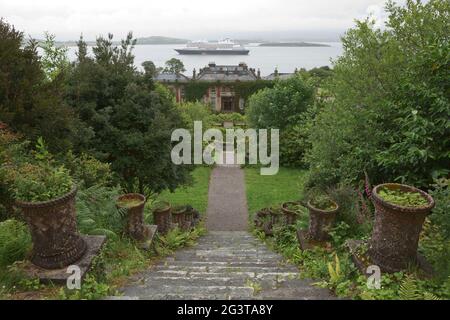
x=194, y=90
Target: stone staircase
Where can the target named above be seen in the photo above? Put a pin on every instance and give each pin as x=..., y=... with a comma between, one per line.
x=229, y=265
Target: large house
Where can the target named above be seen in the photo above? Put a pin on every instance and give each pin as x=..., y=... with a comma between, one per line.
x=221, y=93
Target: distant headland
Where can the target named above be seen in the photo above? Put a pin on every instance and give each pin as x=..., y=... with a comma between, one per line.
x=292, y=44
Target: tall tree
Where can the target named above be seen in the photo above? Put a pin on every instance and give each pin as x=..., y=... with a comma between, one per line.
x=174, y=65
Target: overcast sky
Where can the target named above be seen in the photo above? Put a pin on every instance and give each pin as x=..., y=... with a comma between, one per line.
x=192, y=19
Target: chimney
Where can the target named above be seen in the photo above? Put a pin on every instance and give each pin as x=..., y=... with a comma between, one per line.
x=258, y=75
x=194, y=74
x=276, y=72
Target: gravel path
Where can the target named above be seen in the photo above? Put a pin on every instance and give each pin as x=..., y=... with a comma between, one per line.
x=227, y=202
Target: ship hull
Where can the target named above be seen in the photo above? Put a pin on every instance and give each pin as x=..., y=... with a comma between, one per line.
x=212, y=52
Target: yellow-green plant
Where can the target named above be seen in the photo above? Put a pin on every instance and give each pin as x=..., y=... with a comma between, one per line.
x=335, y=271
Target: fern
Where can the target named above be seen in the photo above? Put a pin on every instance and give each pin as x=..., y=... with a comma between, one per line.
x=97, y=212
x=15, y=242
x=335, y=272
x=408, y=289
x=430, y=296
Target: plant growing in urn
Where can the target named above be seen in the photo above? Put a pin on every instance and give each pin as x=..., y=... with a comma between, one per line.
x=400, y=212
x=46, y=195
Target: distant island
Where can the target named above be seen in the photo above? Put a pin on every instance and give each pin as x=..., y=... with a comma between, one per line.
x=292, y=44
x=161, y=40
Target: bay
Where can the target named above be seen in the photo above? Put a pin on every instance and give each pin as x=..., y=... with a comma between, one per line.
x=285, y=59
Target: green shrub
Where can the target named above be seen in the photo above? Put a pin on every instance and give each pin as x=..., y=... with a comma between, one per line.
x=196, y=111
x=390, y=106
x=88, y=171
x=15, y=242
x=278, y=107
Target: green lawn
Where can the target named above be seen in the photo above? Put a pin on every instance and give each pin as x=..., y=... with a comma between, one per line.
x=265, y=191
x=195, y=195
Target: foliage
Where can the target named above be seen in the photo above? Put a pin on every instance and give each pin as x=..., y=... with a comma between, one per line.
x=41, y=181
x=54, y=59
x=150, y=69
x=13, y=152
x=28, y=102
x=90, y=290
x=176, y=238
x=323, y=202
x=87, y=171
x=435, y=241
x=35, y=183
x=97, y=213
x=409, y=291
x=129, y=117
x=231, y=117
x=390, y=106
x=402, y=198
x=15, y=242
x=174, y=65
x=355, y=215
x=278, y=107
x=195, y=111
x=335, y=271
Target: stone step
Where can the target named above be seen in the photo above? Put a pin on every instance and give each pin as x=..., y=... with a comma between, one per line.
x=223, y=265
x=227, y=254
x=220, y=268
x=225, y=258
x=216, y=275
x=145, y=290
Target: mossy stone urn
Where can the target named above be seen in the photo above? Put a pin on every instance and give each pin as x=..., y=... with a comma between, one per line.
x=321, y=220
x=162, y=216
x=397, y=227
x=134, y=204
x=290, y=213
x=54, y=231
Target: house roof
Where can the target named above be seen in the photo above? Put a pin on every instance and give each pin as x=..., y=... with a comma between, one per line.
x=171, y=77
x=226, y=73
